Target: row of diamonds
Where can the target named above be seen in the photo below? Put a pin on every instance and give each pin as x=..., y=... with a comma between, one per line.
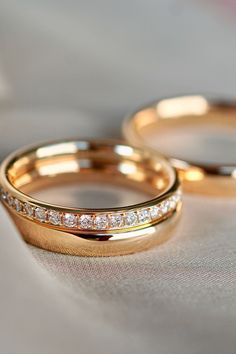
x=95, y=221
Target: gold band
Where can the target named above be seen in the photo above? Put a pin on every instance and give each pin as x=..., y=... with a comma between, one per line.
x=191, y=111
x=79, y=230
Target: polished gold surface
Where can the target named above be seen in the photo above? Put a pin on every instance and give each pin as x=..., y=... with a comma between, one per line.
x=188, y=111
x=95, y=245
x=84, y=231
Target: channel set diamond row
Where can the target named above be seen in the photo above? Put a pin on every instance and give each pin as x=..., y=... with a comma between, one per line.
x=95, y=220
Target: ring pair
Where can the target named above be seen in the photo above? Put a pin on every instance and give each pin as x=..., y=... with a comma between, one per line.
x=119, y=230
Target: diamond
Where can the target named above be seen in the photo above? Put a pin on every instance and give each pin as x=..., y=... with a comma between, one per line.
x=177, y=196
x=173, y=202
x=155, y=212
x=101, y=222
x=54, y=217
x=17, y=205
x=144, y=216
x=86, y=221
x=40, y=214
x=9, y=199
x=116, y=221
x=3, y=195
x=165, y=206
x=28, y=209
x=69, y=220
x=131, y=218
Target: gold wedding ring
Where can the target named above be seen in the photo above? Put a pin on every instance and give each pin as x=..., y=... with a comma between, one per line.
x=165, y=115
x=83, y=231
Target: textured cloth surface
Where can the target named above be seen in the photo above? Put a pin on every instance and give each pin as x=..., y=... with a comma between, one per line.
x=176, y=298
x=75, y=68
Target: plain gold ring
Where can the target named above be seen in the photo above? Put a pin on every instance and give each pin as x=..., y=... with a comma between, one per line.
x=179, y=112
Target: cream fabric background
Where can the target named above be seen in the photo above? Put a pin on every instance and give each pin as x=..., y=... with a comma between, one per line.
x=74, y=68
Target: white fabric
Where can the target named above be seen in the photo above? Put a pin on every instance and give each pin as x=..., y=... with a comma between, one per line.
x=177, y=298
x=74, y=68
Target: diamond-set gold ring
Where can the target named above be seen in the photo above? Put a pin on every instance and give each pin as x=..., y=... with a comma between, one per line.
x=83, y=231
